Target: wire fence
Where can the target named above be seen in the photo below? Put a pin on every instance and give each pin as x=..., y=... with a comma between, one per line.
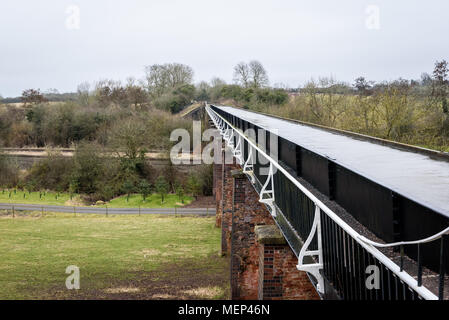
x=17, y=209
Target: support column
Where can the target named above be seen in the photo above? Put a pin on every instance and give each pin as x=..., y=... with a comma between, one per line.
x=278, y=277
x=217, y=191
x=247, y=213
x=226, y=204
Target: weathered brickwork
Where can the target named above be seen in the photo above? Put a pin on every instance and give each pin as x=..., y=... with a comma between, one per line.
x=278, y=277
x=226, y=208
x=217, y=191
x=258, y=271
x=248, y=212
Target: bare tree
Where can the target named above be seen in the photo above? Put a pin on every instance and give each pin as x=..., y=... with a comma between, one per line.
x=110, y=91
x=83, y=93
x=242, y=74
x=365, y=108
x=259, y=77
x=217, y=82
x=128, y=138
x=136, y=94
x=394, y=108
x=162, y=78
x=251, y=75
x=440, y=87
x=325, y=100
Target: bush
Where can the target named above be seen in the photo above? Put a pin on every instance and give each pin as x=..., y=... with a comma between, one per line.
x=52, y=173
x=9, y=173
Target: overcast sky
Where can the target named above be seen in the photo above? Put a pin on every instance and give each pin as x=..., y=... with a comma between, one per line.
x=44, y=45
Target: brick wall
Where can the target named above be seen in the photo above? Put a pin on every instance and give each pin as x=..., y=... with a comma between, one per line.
x=227, y=207
x=278, y=277
x=247, y=213
x=217, y=192
x=258, y=271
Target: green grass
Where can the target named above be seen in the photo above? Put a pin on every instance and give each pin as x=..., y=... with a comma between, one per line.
x=49, y=198
x=52, y=198
x=119, y=257
x=153, y=201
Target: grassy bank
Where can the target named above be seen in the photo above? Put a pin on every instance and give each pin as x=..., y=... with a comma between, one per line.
x=61, y=199
x=120, y=257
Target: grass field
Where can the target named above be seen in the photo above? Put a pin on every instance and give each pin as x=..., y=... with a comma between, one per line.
x=120, y=257
x=153, y=201
x=52, y=198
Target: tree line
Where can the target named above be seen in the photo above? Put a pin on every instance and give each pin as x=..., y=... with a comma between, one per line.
x=407, y=111
x=112, y=125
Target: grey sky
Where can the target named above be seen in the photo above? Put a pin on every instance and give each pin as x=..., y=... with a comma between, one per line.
x=295, y=40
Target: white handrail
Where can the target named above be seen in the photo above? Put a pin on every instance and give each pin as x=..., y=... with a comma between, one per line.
x=404, y=276
x=404, y=243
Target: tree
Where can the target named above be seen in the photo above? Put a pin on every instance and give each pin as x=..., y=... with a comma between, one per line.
x=203, y=89
x=194, y=186
x=394, y=108
x=88, y=168
x=251, y=75
x=365, y=108
x=363, y=86
x=440, y=84
x=128, y=139
x=217, y=82
x=110, y=91
x=32, y=97
x=166, y=77
x=162, y=187
x=180, y=193
x=53, y=172
x=128, y=187
x=325, y=100
x=241, y=74
x=9, y=172
x=145, y=189
x=259, y=77
x=136, y=94
x=83, y=93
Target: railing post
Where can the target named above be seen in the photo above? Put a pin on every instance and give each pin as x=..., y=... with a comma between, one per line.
x=313, y=268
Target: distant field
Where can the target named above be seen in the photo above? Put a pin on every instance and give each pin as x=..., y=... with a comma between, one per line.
x=120, y=257
x=52, y=198
x=20, y=104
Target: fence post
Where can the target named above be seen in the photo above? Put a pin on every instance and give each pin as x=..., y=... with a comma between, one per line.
x=139, y=210
x=106, y=211
x=42, y=211
x=13, y=212
x=74, y=211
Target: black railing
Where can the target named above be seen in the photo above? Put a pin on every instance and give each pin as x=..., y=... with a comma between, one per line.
x=347, y=258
